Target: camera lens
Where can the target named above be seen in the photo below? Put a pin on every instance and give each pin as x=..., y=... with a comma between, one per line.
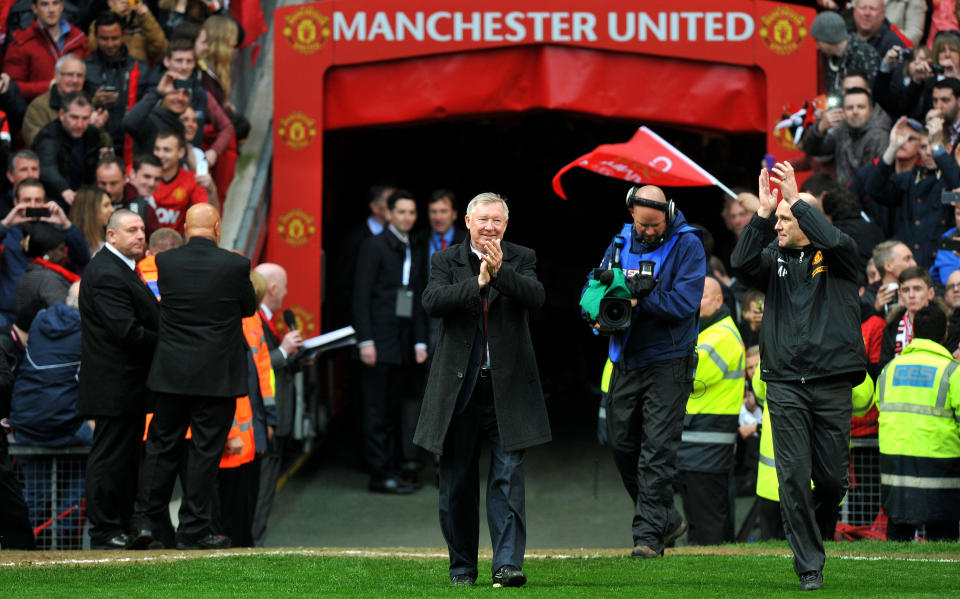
x=614, y=312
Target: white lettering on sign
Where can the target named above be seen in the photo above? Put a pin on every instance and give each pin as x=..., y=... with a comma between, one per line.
x=542, y=26
x=167, y=216
x=680, y=26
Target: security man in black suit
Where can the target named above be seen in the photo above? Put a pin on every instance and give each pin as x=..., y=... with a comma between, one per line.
x=120, y=317
x=199, y=369
x=483, y=385
x=392, y=337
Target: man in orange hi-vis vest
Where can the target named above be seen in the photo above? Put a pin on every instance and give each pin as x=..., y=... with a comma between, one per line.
x=239, y=477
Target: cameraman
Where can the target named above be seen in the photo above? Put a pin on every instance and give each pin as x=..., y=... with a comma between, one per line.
x=654, y=361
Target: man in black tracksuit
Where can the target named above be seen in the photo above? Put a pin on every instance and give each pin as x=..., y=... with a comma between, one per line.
x=811, y=353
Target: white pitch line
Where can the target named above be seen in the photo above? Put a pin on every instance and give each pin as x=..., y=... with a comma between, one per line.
x=162, y=557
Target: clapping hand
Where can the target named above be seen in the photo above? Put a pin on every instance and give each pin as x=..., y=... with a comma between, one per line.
x=768, y=197
x=783, y=176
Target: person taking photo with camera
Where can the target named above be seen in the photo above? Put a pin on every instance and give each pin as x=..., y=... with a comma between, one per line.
x=654, y=360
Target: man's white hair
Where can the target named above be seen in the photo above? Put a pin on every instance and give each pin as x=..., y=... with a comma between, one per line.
x=488, y=197
x=58, y=68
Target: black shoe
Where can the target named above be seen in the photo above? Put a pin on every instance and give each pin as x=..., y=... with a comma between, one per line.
x=391, y=485
x=118, y=542
x=643, y=551
x=671, y=537
x=462, y=580
x=411, y=478
x=509, y=576
x=141, y=538
x=811, y=581
x=210, y=541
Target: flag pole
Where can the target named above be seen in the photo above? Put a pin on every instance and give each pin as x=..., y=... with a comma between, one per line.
x=690, y=162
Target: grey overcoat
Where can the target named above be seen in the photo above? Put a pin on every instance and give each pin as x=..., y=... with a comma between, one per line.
x=453, y=294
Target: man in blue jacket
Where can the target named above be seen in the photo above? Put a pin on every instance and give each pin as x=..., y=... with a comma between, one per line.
x=654, y=361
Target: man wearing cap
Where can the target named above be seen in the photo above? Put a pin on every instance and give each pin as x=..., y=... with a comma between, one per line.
x=654, y=361
x=842, y=51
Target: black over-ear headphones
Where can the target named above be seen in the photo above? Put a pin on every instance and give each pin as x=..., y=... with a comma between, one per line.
x=670, y=209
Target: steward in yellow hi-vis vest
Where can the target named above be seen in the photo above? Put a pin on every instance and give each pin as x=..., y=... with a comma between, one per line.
x=918, y=394
x=707, y=446
x=771, y=526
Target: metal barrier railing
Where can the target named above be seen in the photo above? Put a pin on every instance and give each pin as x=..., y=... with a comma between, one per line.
x=54, y=482
x=860, y=514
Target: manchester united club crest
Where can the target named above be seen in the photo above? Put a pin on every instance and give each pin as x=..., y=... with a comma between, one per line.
x=305, y=321
x=297, y=130
x=307, y=30
x=782, y=30
x=296, y=227
x=817, y=258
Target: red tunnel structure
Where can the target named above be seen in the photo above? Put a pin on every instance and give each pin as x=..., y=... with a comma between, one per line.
x=730, y=66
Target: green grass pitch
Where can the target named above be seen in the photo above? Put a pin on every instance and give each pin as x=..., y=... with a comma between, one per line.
x=758, y=571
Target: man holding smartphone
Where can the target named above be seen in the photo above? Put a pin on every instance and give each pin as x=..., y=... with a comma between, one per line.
x=111, y=72
x=30, y=196
x=922, y=216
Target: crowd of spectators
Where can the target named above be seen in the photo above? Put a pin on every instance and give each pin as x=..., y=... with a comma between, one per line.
x=883, y=149
x=110, y=105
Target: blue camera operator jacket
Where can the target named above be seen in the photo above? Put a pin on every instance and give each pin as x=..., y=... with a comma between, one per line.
x=665, y=324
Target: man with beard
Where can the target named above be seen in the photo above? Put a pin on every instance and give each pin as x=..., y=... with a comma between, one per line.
x=654, y=361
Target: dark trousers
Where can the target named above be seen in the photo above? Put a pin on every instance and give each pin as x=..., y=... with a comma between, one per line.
x=644, y=423
x=209, y=419
x=771, y=524
x=706, y=504
x=15, y=530
x=235, y=502
x=460, y=489
x=942, y=530
x=112, y=470
x=812, y=441
x=385, y=386
x=269, y=464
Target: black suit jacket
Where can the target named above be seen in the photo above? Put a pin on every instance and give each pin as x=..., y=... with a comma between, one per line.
x=423, y=240
x=379, y=277
x=206, y=294
x=284, y=391
x=453, y=294
x=119, y=320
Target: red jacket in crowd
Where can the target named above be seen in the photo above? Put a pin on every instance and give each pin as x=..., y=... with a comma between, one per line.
x=32, y=57
x=174, y=197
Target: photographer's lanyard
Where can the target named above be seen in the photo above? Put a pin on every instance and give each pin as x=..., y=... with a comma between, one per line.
x=404, y=293
x=407, y=262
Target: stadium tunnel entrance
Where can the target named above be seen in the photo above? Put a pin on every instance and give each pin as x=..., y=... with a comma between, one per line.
x=496, y=79
x=517, y=155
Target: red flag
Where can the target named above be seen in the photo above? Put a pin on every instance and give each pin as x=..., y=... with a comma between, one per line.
x=647, y=159
x=249, y=14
